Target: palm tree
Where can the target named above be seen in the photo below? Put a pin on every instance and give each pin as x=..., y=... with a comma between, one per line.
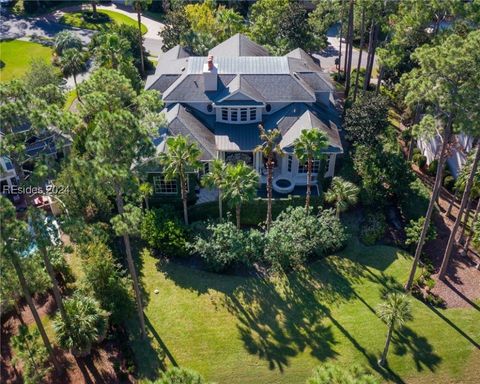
x=146, y=190
x=394, y=311
x=215, y=178
x=14, y=241
x=87, y=324
x=72, y=63
x=180, y=158
x=66, y=40
x=241, y=182
x=343, y=194
x=269, y=148
x=307, y=147
x=112, y=50
x=230, y=22
x=463, y=205
x=43, y=232
x=139, y=6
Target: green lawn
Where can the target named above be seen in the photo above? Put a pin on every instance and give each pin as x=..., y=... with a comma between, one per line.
x=17, y=55
x=75, y=19
x=236, y=329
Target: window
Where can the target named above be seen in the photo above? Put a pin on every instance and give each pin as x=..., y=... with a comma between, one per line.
x=253, y=114
x=225, y=114
x=243, y=114
x=236, y=115
x=289, y=163
x=303, y=168
x=8, y=164
x=163, y=186
x=205, y=168
x=327, y=163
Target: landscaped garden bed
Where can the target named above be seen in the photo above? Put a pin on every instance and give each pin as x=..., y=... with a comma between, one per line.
x=103, y=21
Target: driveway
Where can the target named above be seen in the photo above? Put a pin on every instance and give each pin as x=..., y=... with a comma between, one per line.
x=330, y=53
x=13, y=27
x=152, y=41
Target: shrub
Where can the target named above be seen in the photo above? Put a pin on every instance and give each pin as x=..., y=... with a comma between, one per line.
x=432, y=168
x=420, y=160
x=373, y=228
x=177, y=375
x=164, y=232
x=60, y=265
x=35, y=273
x=415, y=202
x=87, y=323
x=106, y=280
x=100, y=17
x=294, y=236
x=226, y=245
x=416, y=151
x=366, y=119
x=32, y=353
x=476, y=234
x=449, y=182
x=414, y=229
x=331, y=373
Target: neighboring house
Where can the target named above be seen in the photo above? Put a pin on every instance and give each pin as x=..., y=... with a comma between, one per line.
x=218, y=101
x=8, y=176
x=462, y=146
x=52, y=143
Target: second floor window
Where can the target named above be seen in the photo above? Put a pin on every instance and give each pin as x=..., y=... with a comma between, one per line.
x=238, y=114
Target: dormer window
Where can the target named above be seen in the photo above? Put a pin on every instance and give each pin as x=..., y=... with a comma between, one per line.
x=238, y=114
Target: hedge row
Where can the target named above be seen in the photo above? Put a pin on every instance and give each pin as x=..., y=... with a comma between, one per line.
x=254, y=212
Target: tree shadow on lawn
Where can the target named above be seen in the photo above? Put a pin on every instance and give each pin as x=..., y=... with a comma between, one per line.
x=281, y=317
x=406, y=340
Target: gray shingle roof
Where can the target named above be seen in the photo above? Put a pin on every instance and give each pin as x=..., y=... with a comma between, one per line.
x=238, y=45
x=182, y=122
x=292, y=119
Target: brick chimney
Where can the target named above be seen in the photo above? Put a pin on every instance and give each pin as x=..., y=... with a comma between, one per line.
x=210, y=75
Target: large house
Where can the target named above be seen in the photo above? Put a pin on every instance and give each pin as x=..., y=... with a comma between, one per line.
x=218, y=101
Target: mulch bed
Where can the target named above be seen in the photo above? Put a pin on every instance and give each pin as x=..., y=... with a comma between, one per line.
x=461, y=287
